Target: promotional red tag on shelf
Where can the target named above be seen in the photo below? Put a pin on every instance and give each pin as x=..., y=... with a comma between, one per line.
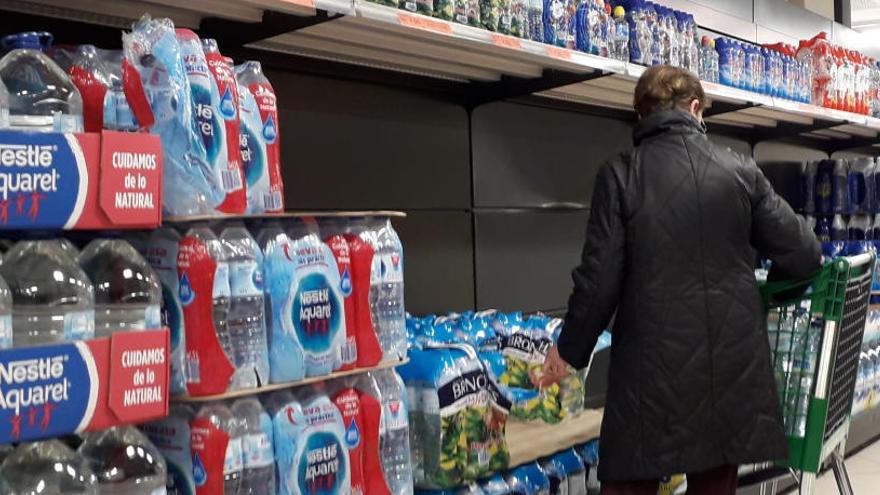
x=58, y=389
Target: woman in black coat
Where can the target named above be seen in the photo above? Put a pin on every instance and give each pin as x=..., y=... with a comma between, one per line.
x=674, y=229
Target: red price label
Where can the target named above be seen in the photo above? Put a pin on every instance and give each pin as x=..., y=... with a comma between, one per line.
x=559, y=53
x=506, y=41
x=139, y=375
x=425, y=23
x=304, y=3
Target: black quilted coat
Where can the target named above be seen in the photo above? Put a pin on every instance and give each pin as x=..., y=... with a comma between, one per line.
x=671, y=244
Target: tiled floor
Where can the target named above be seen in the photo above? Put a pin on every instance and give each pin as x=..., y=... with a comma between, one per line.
x=864, y=473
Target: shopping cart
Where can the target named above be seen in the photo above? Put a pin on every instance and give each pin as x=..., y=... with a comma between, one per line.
x=815, y=337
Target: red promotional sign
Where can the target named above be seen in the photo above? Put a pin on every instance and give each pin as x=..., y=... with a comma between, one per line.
x=139, y=374
x=131, y=179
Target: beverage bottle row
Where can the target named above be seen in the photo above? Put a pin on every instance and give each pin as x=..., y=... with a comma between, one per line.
x=795, y=341
x=762, y=70
x=50, y=292
x=119, y=460
x=218, y=124
x=839, y=186
x=344, y=436
x=840, y=78
x=279, y=301
x=867, y=389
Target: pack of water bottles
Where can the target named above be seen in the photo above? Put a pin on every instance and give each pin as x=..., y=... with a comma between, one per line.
x=839, y=200
x=217, y=123
x=276, y=300
x=563, y=473
x=840, y=78
x=867, y=390
x=342, y=436
x=772, y=70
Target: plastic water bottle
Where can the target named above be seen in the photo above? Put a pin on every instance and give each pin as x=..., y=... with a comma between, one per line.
x=53, y=299
x=4, y=106
x=220, y=417
x=621, y=35
x=388, y=301
x=394, y=433
x=246, y=320
x=33, y=468
x=258, y=476
x=220, y=292
x=41, y=96
x=128, y=295
x=125, y=461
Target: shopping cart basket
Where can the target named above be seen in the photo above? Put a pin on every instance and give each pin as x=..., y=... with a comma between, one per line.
x=815, y=339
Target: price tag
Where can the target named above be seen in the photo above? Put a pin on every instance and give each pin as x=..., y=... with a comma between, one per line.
x=304, y=3
x=425, y=23
x=506, y=41
x=559, y=53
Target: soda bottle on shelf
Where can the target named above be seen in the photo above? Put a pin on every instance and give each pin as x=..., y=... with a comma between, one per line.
x=394, y=435
x=46, y=309
x=33, y=468
x=41, y=96
x=246, y=322
x=217, y=450
x=125, y=461
x=127, y=292
x=258, y=474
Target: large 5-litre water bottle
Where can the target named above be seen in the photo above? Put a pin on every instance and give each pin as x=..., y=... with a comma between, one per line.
x=128, y=295
x=48, y=467
x=620, y=43
x=125, y=461
x=220, y=291
x=394, y=434
x=258, y=476
x=41, y=95
x=53, y=299
x=246, y=320
x=210, y=419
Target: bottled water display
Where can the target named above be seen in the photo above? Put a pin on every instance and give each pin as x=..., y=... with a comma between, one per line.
x=41, y=95
x=128, y=295
x=795, y=341
x=53, y=299
x=124, y=461
x=258, y=475
x=394, y=437
x=48, y=467
x=246, y=319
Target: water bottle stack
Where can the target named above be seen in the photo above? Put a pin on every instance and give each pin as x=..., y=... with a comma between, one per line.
x=277, y=300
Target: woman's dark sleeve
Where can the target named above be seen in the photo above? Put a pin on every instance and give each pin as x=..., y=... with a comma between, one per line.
x=780, y=235
x=598, y=278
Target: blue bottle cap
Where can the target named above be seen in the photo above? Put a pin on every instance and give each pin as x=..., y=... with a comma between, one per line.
x=34, y=40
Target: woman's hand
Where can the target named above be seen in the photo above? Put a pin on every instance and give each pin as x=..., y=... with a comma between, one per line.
x=555, y=368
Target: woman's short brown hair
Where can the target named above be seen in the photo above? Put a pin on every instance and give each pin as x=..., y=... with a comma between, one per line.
x=663, y=87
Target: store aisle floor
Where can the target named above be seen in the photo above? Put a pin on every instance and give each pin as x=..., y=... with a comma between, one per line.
x=864, y=473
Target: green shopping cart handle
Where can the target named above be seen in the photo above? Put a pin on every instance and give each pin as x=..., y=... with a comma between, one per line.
x=788, y=291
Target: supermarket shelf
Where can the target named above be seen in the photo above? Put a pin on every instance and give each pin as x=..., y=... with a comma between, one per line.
x=864, y=429
x=533, y=440
x=481, y=66
x=290, y=214
x=281, y=386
